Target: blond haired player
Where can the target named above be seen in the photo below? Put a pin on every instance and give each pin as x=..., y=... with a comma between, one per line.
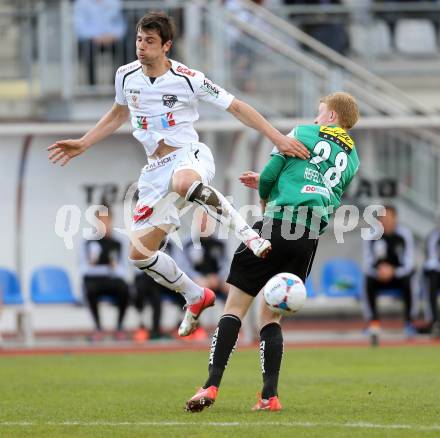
x=288, y=187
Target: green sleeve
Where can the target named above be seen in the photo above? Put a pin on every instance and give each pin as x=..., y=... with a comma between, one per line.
x=270, y=174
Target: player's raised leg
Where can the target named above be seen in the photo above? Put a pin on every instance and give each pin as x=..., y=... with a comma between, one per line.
x=163, y=269
x=187, y=183
x=223, y=344
x=271, y=353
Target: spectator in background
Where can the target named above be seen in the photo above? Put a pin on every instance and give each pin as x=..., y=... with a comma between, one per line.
x=431, y=271
x=104, y=266
x=99, y=26
x=392, y=16
x=329, y=29
x=389, y=262
x=244, y=49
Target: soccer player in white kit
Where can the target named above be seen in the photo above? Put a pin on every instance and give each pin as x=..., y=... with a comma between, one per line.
x=160, y=96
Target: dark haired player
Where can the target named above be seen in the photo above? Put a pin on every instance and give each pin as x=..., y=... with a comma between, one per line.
x=160, y=96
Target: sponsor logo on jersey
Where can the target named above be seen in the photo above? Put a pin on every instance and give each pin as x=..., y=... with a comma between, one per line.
x=185, y=71
x=159, y=163
x=210, y=88
x=169, y=100
x=127, y=68
x=133, y=91
x=337, y=135
x=168, y=120
x=142, y=122
x=316, y=190
x=142, y=212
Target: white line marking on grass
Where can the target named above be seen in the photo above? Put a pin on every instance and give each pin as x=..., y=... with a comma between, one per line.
x=292, y=424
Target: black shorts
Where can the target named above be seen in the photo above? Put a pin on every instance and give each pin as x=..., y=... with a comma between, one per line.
x=250, y=273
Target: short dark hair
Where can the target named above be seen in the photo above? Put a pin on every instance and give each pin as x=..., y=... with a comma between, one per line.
x=159, y=21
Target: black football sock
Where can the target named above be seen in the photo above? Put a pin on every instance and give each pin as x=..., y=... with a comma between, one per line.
x=271, y=353
x=223, y=344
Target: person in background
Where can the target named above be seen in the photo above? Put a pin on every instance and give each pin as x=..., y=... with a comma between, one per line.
x=328, y=29
x=389, y=264
x=431, y=272
x=104, y=267
x=100, y=26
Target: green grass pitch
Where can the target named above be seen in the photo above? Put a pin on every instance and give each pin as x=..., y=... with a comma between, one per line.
x=327, y=392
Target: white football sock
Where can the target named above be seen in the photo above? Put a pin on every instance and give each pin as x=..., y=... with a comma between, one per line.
x=164, y=270
x=221, y=209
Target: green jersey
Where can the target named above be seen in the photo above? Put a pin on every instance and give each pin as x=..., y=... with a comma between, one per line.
x=307, y=191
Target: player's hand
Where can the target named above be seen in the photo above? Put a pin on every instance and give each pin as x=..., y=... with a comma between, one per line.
x=250, y=179
x=292, y=147
x=65, y=150
x=385, y=272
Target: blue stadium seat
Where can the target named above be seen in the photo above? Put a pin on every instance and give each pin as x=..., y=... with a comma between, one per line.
x=341, y=278
x=10, y=292
x=394, y=293
x=311, y=292
x=51, y=285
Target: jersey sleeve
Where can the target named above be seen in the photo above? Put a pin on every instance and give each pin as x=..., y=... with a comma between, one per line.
x=270, y=174
x=210, y=92
x=119, y=91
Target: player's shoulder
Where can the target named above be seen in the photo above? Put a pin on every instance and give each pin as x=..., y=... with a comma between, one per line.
x=304, y=129
x=126, y=69
x=193, y=77
x=181, y=69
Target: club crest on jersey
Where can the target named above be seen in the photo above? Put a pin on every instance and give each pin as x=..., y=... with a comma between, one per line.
x=168, y=120
x=135, y=101
x=169, y=100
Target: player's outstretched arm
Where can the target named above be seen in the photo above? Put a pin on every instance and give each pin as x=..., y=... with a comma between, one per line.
x=250, y=179
x=65, y=150
x=252, y=118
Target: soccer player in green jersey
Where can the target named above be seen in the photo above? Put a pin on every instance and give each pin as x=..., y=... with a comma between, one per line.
x=297, y=197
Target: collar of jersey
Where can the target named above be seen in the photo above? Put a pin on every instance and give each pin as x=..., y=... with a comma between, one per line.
x=161, y=77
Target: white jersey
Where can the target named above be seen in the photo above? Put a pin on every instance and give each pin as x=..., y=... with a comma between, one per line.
x=167, y=108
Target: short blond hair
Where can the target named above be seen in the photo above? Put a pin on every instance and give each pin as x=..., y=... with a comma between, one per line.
x=345, y=106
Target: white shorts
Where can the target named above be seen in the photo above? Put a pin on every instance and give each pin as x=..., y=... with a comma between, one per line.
x=157, y=204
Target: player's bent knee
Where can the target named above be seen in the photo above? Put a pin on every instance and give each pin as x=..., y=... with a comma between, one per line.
x=182, y=186
x=184, y=180
x=144, y=262
x=140, y=253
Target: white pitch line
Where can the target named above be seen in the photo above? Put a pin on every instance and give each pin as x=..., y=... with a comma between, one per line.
x=359, y=425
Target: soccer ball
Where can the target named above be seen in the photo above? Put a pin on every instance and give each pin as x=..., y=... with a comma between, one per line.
x=285, y=293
